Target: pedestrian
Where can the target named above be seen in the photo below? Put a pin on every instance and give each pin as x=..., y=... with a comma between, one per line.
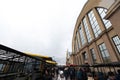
x=61, y=75
x=53, y=72
x=47, y=75
x=79, y=74
x=101, y=76
x=72, y=73
x=66, y=73
x=85, y=77
x=111, y=76
x=118, y=75
x=57, y=71
x=90, y=76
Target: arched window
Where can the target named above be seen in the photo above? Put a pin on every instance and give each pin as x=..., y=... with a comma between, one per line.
x=94, y=23
x=78, y=40
x=87, y=30
x=82, y=36
x=102, y=13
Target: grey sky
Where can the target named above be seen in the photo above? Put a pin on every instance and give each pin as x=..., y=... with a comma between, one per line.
x=39, y=26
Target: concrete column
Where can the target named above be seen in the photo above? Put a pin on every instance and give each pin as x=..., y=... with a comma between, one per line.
x=110, y=49
x=98, y=54
x=80, y=62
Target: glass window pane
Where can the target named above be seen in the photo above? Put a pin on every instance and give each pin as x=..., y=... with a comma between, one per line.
x=1, y=66
x=102, y=13
x=87, y=30
x=82, y=36
x=118, y=48
x=94, y=24
x=78, y=40
x=116, y=41
x=104, y=52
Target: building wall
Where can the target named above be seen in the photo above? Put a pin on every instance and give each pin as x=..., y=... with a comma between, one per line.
x=112, y=15
x=98, y=39
x=115, y=20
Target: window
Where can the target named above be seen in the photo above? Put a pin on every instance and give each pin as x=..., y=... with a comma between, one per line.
x=76, y=45
x=87, y=30
x=102, y=13
x=77, y=60
x=1, y=65
x=93, y=55
x=94, y=24
x=104, y=52
x=85, y=56
x=78, y=40
x=116, y=41
x=82, y=37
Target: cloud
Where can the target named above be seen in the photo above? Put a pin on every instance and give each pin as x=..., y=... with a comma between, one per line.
x=40, y=27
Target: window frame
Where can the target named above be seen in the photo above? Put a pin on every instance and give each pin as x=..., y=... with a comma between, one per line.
x=82, y=35
x=103, y=49
x=106, y=22
x=115, y=43
x=94, y=23
x=85, y=57
x=93, y=54
x=87, y=30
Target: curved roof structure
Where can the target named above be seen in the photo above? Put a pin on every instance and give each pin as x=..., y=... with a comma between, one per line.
x=90, y=4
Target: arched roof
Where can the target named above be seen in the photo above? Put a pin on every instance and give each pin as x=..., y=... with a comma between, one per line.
x=90, y=4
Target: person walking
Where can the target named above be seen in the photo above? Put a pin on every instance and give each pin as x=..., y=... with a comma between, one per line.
x=66, y=73
x=79, y=74
x=72, y=73
x=111, y=76
x=61, y=75
x=118, y=75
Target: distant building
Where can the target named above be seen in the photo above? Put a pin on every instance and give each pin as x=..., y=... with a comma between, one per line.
x=96, y=37
x=69, y=58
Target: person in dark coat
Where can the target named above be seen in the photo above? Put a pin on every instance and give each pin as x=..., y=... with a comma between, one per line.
x=84, y=74
x=79, y=74
x=118, y=75
x=72, y=73
x=66, y=73
x=47, y=75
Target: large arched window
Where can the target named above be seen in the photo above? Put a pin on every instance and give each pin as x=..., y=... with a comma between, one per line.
x=77, y=46
x=94, y=23
x=102, y=13
x=87, y=30
x=82, y=36
x=78, y=40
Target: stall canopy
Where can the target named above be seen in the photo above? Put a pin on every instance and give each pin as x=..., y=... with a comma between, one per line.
x=46, y=58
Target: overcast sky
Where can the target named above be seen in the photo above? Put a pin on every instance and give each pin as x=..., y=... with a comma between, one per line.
x=39, y=26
